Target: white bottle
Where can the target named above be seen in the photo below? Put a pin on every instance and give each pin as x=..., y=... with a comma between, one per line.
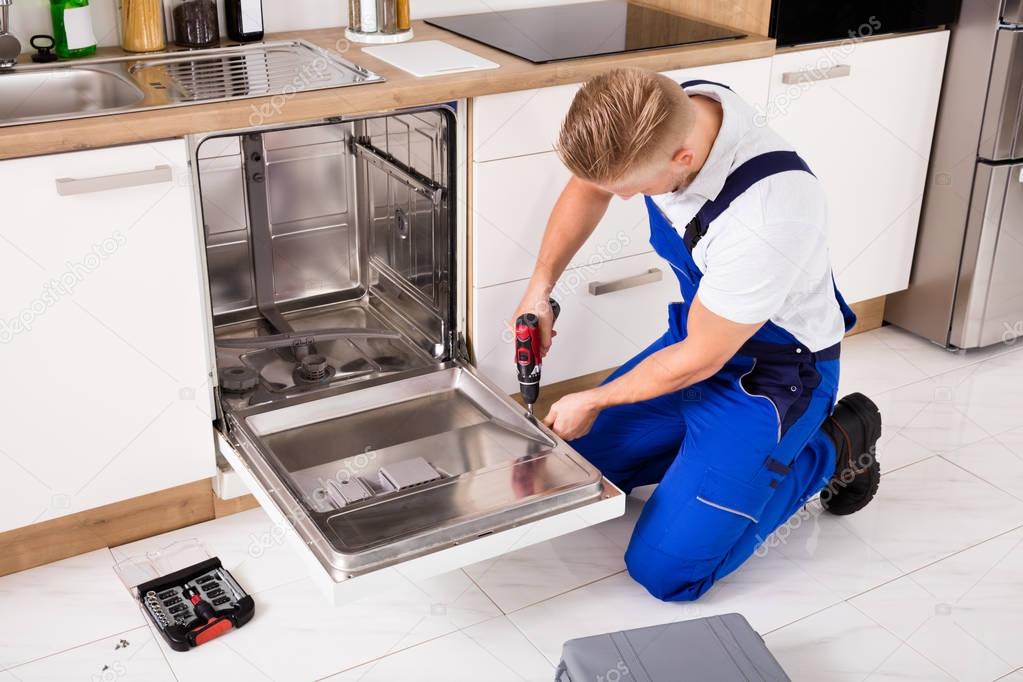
x=369, y=16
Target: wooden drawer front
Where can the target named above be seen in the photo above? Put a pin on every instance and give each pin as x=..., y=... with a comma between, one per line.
x=527, y=122
x=514, y=198
x=869, y=148
x=594, y=331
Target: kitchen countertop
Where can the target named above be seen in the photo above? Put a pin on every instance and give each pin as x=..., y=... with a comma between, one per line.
x=400, y=90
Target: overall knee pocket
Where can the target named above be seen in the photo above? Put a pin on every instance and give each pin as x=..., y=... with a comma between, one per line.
x=676, y=555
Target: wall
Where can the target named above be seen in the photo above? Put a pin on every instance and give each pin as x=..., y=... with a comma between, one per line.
x=29, y=17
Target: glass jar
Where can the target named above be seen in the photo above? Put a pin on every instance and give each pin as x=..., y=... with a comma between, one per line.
x=194, y=23
x=379, y=21
x=142, y=25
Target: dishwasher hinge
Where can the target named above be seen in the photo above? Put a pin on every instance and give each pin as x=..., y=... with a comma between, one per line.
x=459, y=348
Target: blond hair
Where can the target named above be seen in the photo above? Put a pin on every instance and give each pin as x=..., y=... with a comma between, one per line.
x=620, y=120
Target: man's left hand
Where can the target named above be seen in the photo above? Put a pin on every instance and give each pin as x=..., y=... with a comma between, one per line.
x=572, y=416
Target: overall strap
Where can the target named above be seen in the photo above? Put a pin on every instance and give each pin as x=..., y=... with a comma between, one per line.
x=698, y=81
x=741, y=179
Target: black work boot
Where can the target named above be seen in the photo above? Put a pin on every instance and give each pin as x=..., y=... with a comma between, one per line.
x=854, y=427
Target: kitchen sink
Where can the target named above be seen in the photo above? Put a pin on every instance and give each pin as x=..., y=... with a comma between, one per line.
x=64, y=92
x=36, y=93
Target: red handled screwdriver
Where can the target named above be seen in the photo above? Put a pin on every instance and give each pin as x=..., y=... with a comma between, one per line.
x=527, y=354
x=208, y=624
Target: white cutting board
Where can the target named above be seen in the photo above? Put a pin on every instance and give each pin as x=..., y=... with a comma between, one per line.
x=429, y=58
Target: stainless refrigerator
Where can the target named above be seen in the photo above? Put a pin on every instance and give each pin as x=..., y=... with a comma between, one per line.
x=966, y=288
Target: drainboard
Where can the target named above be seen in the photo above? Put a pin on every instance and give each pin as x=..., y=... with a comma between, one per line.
x=36, y=92
x=251, y=71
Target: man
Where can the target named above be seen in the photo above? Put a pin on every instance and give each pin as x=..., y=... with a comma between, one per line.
x=733, y=410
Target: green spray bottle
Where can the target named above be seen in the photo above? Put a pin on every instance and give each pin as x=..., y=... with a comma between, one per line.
x=72, y=28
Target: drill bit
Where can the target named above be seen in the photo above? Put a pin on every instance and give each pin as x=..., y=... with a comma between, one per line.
x=529, y=409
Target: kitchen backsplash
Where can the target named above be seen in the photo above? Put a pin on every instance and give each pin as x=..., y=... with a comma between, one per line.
x=29, y=17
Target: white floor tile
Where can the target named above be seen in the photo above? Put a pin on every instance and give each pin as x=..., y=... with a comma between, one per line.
x=494, y=650
x=870, y=366
x=619, y=530
x=546, y=569
x=926, y=412
x=991, y=393
x=930, y=510
x=840, y=644
x=930, y=358
x=770, y=591
x=962, y=613
x=62, y=605
x=826, y=550
x=998, y=460
x=132, y=656
x=249, y=545
x=898, y=451
x=296, y=635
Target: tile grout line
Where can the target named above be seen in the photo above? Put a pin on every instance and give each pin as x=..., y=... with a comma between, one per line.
x=905, y=642
x=71, y=648
x=905, y=574
x=978, y=476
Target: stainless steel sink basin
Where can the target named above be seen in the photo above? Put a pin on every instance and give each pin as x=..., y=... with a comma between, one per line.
x=35, y=93
x=63, y=92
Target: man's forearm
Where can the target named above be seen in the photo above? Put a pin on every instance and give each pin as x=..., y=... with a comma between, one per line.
x=666, y=371
x=575, y=215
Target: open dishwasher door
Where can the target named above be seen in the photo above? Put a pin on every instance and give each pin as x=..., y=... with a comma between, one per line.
x=344, y=397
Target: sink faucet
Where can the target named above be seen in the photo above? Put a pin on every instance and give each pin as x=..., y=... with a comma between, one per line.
x=10, y=47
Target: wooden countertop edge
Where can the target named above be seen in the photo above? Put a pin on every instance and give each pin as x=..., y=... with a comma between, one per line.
x=400, y=90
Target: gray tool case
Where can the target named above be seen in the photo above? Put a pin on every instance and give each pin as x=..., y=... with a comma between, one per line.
x=716, y=649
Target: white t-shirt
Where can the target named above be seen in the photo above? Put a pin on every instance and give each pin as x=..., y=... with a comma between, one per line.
x=766, y=257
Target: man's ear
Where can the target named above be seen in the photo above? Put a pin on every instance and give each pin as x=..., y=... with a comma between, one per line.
x=684, y=157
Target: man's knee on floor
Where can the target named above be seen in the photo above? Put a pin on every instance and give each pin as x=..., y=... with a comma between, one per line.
x=668, y=577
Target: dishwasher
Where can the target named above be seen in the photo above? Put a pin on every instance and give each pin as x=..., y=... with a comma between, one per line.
x=344, y=398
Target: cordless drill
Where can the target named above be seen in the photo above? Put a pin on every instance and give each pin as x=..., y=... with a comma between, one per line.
x=527, y=354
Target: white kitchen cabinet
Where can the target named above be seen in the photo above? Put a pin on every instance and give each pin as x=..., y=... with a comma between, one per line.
x=514, y=198
x=597, y=329
x=862, y=115
x=106, y=387
x=528, y=121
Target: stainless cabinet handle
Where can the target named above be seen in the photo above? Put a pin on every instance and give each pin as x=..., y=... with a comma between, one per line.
x=70, y=186
x=649, y=277
x=811, y=75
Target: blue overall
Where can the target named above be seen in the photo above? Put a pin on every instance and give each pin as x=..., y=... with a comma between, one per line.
x=735, y=455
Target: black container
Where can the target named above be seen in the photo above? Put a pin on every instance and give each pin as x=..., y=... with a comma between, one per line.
x=799, y=22
x=194, y=23
x=244, y=19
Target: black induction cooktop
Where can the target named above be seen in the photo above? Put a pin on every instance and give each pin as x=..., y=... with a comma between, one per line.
x=587, y=29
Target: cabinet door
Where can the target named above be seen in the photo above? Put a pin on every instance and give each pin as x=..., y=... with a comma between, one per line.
x=104, y=359
x=528, y=121
x=513, y=199
x=609, y=312
x=862, y=115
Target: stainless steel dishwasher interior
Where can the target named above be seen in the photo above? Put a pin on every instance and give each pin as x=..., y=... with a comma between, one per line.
x=330, y=252
x=47, y=92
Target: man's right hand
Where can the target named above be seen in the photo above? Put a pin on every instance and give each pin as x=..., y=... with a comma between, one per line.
x=537, y=302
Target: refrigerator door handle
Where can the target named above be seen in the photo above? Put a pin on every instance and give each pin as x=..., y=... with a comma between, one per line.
x=1001, y=137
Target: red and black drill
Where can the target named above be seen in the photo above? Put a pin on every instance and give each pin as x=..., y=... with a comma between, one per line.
x=528, y=360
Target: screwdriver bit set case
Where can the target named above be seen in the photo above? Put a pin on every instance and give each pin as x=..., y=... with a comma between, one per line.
x=188, y=595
